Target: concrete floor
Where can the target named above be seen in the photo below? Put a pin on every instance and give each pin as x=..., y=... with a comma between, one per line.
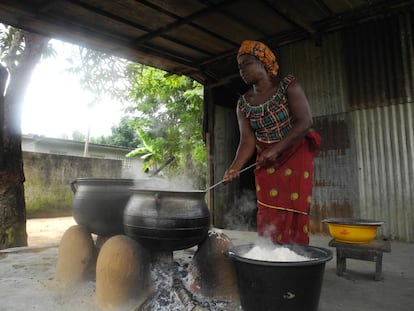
x=355, y=291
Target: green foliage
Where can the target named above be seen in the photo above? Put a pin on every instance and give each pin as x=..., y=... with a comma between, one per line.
x=146, y=149
x=100, y=73
x=8, y=41
x=170, y=120
x=78, y=136
x=124, y=135
x=12, y=44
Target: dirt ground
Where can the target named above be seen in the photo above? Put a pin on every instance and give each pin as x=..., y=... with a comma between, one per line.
x=26, y=273
x=47, y=231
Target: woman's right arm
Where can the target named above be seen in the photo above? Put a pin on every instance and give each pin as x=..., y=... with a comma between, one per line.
x=245, y=150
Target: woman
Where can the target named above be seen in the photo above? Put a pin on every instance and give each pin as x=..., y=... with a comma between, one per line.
x=275, y=121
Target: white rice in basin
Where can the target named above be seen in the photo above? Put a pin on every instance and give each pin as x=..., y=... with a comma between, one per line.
x=281, y=254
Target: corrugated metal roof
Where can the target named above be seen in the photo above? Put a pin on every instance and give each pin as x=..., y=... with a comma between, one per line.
x=198, y=38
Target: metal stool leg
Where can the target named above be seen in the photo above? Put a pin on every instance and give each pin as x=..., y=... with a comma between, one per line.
x=340, y=263
x=378, y=267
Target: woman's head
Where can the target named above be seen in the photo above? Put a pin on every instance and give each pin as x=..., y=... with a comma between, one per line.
x=262, y=52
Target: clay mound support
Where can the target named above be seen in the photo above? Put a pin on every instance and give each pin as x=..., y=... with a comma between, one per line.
x=76, y=257
x=212, y=273
x=122, y=273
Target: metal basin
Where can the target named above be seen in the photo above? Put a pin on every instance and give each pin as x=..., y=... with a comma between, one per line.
x=353, y=230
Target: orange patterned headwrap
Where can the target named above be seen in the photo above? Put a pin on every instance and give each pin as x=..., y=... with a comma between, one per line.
x=262, y=52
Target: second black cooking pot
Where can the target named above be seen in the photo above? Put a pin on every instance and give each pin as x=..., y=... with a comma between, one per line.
x=164, y=220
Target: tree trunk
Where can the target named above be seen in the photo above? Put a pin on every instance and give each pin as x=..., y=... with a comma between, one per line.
x=12, y=202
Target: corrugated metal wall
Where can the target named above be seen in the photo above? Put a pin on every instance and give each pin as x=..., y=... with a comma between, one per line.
x=360, y=83
x=320, y=70
x=384, y=139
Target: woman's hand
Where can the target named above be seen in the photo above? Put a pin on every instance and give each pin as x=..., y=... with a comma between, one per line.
x=268, y=155
x=230, y=175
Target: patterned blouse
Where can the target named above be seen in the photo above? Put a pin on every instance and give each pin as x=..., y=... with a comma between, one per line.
x=272, y=120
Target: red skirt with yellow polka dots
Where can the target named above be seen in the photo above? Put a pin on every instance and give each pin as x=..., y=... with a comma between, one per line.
x=284, y=193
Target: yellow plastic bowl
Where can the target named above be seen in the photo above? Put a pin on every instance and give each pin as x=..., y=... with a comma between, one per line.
x=350, y=230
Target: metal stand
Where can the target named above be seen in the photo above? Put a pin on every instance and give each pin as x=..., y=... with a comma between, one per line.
x=370, y=252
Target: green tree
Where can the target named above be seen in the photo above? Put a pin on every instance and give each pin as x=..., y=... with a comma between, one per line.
x=20, y=52
x=100, y=74
x=170, y=120
x=78, y=136
x=124, y=135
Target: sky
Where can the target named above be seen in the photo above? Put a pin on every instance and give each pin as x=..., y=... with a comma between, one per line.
x=56, y=106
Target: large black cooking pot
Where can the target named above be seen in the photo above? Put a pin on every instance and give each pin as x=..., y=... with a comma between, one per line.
x=99, y=203
x=282, y=286
x=166, y=220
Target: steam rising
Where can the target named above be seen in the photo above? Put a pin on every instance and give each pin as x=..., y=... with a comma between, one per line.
x=177, y=183
x=242, y=213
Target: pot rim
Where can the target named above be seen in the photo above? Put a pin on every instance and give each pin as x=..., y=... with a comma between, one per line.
x=166, y=192
x=105, y=180
x=232, y=253
x=353, y=221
